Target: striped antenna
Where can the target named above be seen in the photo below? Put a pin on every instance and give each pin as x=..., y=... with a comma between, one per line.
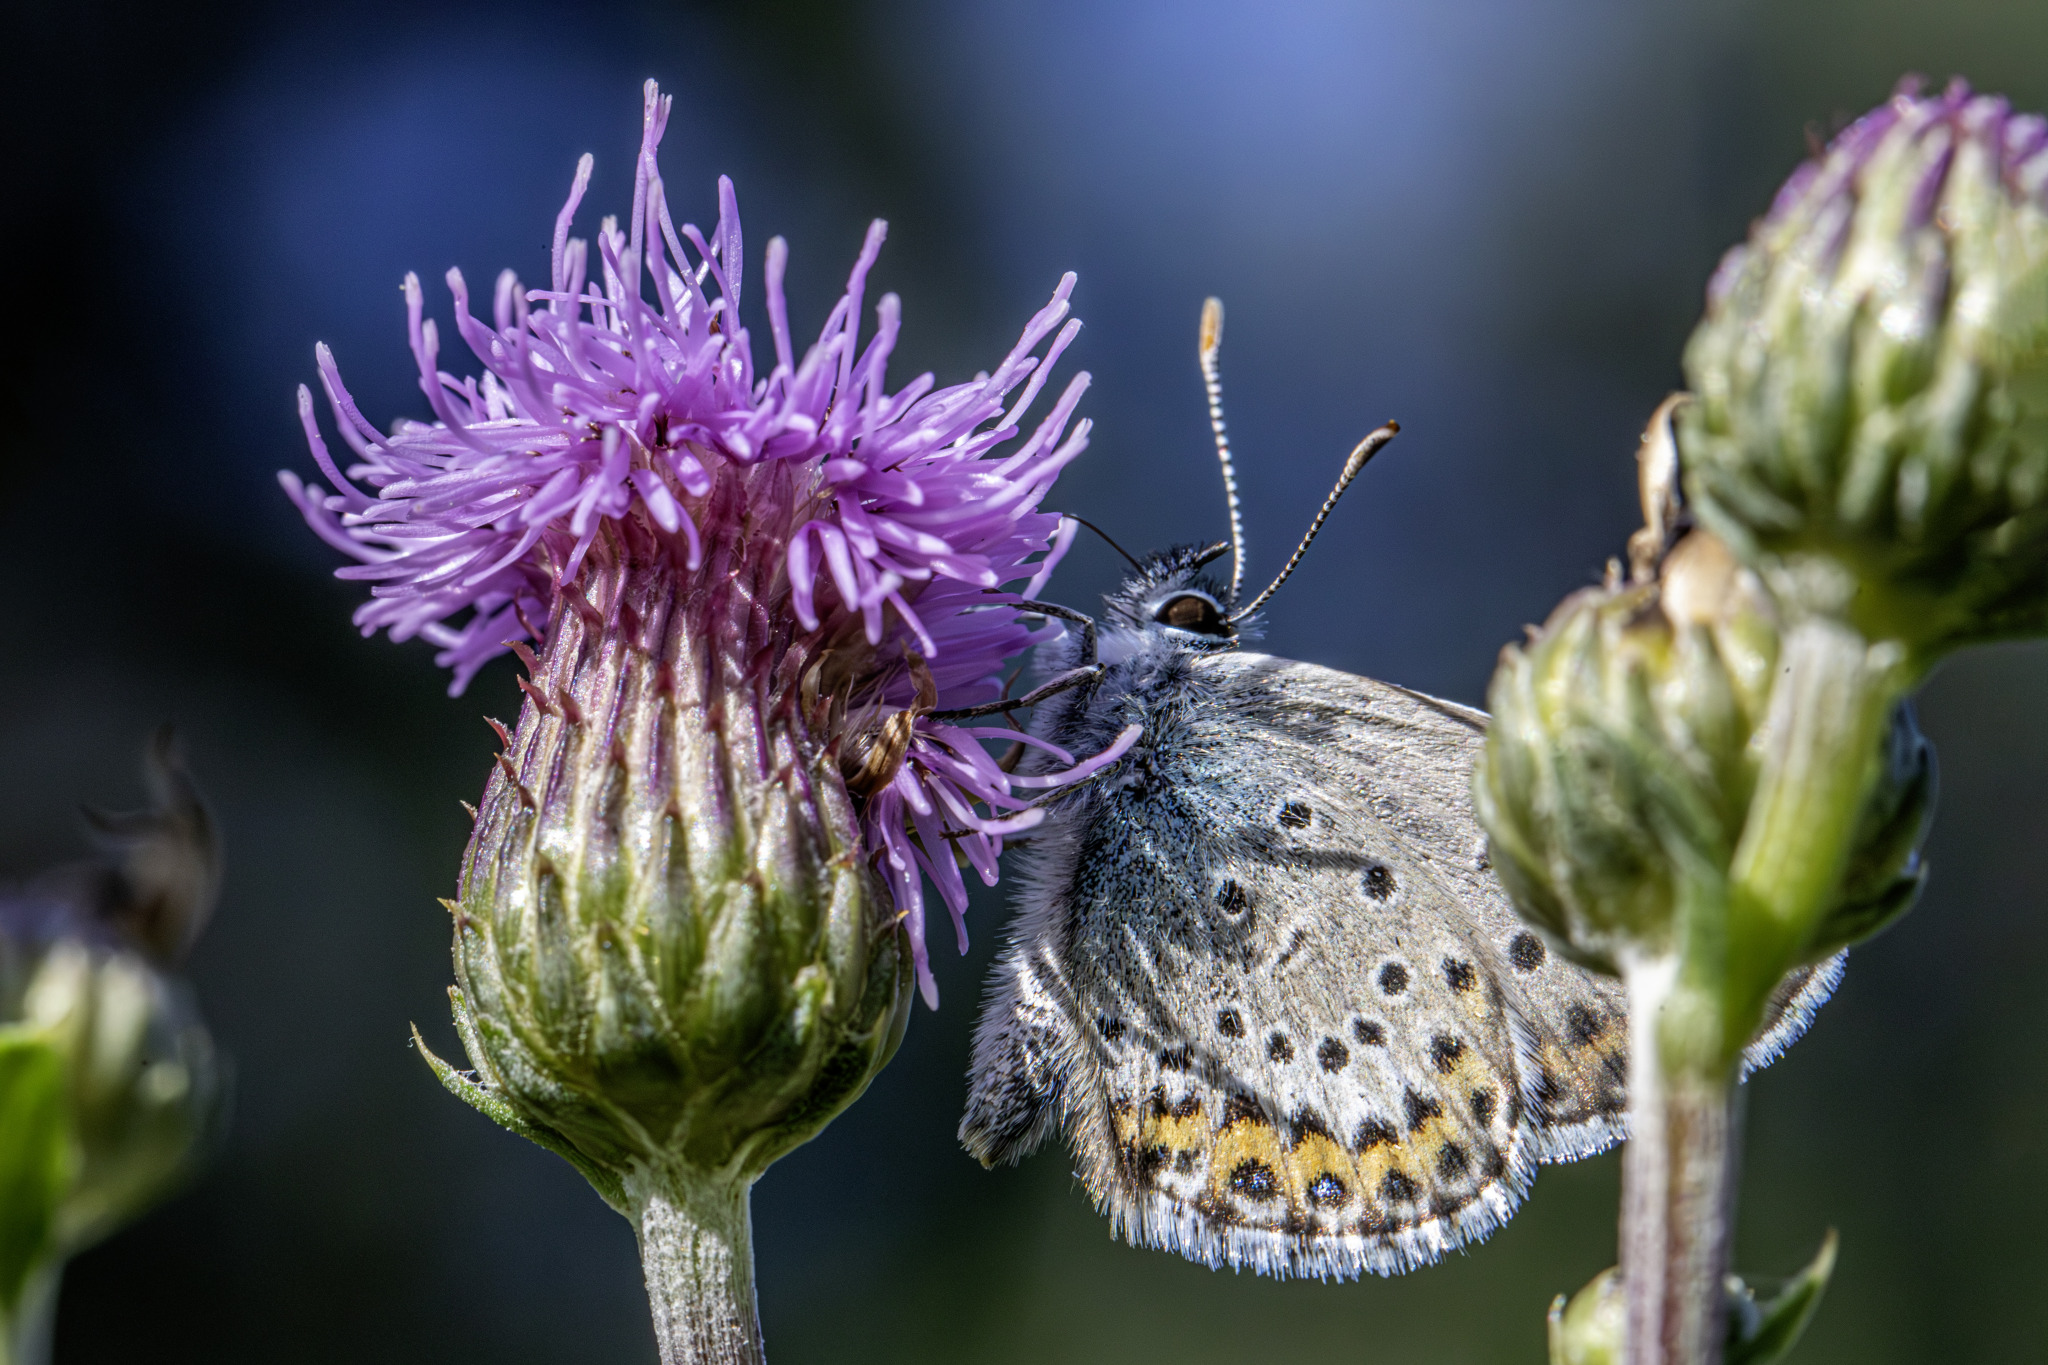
x=1366, y=449
x=1212, y=341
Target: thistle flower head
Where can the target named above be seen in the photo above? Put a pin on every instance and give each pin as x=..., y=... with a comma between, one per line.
x=621, y=412
x=1871, y=429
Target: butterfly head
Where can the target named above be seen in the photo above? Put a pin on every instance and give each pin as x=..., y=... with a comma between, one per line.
x=1171, y=596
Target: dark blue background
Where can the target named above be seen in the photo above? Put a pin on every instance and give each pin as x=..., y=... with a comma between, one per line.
x=1490, y=219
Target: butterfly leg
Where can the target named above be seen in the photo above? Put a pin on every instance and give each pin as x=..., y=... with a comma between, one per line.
x=1088, y=671
x=1086, y=622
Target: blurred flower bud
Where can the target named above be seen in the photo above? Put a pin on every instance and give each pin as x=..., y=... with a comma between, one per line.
x=142, y=1085
x=1586, y=1330
x=109, y=1084
x=1871, y=423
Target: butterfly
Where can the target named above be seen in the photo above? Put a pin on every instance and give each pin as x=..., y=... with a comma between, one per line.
x=1261, y=974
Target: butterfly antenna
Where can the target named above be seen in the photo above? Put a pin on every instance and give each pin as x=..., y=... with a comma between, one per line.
x=1367, y=448
x=1212, y=379
x=1106, y=540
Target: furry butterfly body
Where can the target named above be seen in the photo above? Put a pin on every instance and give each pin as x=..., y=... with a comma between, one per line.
x=1261, y=975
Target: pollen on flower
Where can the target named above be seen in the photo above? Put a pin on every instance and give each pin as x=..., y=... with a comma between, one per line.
x=620, y=411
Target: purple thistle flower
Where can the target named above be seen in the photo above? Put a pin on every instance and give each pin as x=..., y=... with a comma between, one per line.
x=620, y=422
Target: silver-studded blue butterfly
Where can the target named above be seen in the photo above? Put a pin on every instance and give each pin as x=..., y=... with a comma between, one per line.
x=1261, y=974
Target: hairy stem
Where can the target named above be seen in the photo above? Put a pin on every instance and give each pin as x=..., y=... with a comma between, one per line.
x=1678, y=1173
x=697, y=1249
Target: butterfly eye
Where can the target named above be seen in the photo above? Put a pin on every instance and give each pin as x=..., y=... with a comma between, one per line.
x=1191, y=611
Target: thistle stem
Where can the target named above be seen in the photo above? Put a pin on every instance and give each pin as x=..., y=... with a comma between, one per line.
x=25, y=1335
x=696, y=1247
x=1678, y=1175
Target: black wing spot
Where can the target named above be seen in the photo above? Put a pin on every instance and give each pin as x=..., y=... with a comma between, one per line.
x=1393, y=978
x=1306, y=1123
x=1396, y=1188
x=1184, y=1163
x=1241, y=1106
x=1189, y=1106
x=1444, y=1051
x=1326, y=1190
x=1460, y=975
x=1379, y=883
x=1231, y=899
x=1110, y=1029
x=1482, y=1106
x=1296, y=815
x=1420, y=1110
x=1372, y=1133
x=1175, y=1058
x=1369, y=1032
x=1279, y=1048
x=1585, y=1025
x=1333, y=1055
x=1526, y=951
x=1451, y=1161
x=1230, y=1023
x=1253, y=1179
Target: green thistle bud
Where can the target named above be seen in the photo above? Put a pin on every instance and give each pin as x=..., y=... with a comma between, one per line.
x=109, y=1084
x=1871, y=429
x=668, y=941
x=1618, y=766
x=1586, y=1329
x=1626, y=746
x=675, y=961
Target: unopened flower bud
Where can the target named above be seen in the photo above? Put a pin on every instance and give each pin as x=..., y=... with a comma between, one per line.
x=1625, y=748
x=1586, y=1329
x=109, y=1084
x=1618, y=765
x=672, y=949
x=1871, y=376
x=142, y=1084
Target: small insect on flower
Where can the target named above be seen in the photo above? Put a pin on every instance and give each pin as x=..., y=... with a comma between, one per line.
x=805, y=545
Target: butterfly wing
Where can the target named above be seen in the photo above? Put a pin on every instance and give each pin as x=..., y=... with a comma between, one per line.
x=1284, y=1012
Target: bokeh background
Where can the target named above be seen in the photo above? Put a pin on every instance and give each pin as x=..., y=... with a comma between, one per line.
x=1491, y=219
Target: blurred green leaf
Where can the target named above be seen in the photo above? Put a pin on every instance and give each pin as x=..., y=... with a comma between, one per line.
x=1760, y=1334
x=35, y=1156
